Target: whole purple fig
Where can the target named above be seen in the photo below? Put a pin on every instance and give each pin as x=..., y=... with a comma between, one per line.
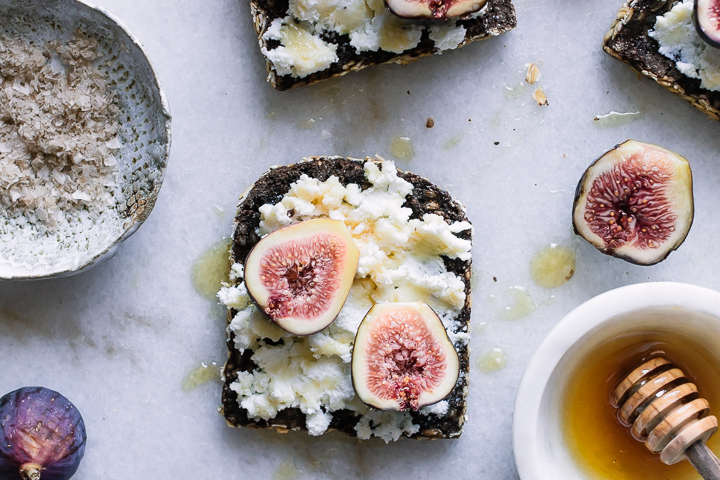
x=42, y=435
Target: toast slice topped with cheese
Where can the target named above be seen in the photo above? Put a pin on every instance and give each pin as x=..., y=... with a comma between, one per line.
x=414, y=245
x=658, y=38
x=307, y=41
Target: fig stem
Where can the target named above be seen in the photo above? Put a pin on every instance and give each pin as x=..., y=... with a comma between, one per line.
x=30, y=471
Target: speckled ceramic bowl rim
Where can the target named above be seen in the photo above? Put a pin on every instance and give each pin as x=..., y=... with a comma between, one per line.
x=132, y=228
x=110, y=251
x=576, y=324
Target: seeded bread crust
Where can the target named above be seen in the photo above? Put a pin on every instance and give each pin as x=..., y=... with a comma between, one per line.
x=425, y=198
x=629, y=42
x=499, y=18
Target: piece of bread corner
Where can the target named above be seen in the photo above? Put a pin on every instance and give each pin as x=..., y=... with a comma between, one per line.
x=425, y=198
x=629, y=42
x=497, y=19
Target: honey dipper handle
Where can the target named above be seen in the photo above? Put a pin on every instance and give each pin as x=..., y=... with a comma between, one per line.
x=704, y=461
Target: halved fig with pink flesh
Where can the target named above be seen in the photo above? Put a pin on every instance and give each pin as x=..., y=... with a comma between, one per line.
x=635, y=202
x=402, y=358
x=707, y=21
x=433, y=9
x=301, y=275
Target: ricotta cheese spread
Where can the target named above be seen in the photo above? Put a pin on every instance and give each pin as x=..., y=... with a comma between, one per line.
x=679, y=41
x=399, y=262
x=369, y=25
x=301, y=53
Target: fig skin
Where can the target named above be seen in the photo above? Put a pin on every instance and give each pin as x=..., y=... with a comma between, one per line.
x=682, y=192
x=444, y=350
x=433, y=9
x=42, y=435
x=303, y=301
x=705, y=13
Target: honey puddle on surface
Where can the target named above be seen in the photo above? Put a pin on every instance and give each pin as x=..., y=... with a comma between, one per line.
x=521, y=305
x=602, y=446
x=553, y=266
x=200, y=375
x=211, y=268
x=402, y=148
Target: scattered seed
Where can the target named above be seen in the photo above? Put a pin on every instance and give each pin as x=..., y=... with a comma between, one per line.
x=533, y=73
x=540, y=97
x=430, y=123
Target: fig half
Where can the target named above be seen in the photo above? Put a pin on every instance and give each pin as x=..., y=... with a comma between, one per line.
x=301, y=275
x=707, y=21
x=402, y=358
x=635, y=202
x=433, y=9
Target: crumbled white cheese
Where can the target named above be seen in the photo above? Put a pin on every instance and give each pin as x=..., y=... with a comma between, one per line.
x=459, y=338
x=318, y=422
x=447, y=37
x=342, y=16
x=301, y=52
x=386, y=425
x=234, y=296
x=399, y=262
x=236, y=271
x=369, y=25
x=679, y=41
x=440, y=408
x=395, y=34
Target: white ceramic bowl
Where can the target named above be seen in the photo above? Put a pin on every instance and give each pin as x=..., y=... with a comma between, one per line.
x=144, y=134
x=538, y=441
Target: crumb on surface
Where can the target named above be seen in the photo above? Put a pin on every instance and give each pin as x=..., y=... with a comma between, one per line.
x=533, y=73
x=540, y=97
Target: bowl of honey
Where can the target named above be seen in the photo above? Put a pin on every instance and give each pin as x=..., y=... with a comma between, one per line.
x=565, y=425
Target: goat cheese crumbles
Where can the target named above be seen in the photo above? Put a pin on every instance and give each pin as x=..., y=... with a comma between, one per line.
x=58, y=140
x=399, y=262
x=368, y=24
x=679, y=41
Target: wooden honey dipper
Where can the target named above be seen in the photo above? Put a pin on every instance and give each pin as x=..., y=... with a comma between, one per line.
x=665, y=411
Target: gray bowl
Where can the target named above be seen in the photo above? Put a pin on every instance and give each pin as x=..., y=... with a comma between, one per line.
x=144, y=134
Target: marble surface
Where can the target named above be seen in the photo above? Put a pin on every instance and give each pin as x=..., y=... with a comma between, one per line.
x=121, y=339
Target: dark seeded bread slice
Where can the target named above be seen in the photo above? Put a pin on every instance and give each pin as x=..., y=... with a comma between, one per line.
x=628, y=41
x=499, y=18
x=425, y=198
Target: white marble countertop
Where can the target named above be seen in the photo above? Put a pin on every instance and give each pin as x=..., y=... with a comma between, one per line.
x=121, y=339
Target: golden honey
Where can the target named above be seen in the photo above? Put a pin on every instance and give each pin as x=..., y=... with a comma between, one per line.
x=212, y=268
x=603, y=447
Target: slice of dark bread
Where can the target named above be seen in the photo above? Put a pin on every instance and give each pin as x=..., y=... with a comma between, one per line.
x=425, y=198
x=497, y=19
x=628, y=41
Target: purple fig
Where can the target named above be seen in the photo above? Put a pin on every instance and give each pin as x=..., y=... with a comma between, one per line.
x=42, y=435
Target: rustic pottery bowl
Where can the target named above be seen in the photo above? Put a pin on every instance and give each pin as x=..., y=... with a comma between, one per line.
x=538, y=441
x=144, y=134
